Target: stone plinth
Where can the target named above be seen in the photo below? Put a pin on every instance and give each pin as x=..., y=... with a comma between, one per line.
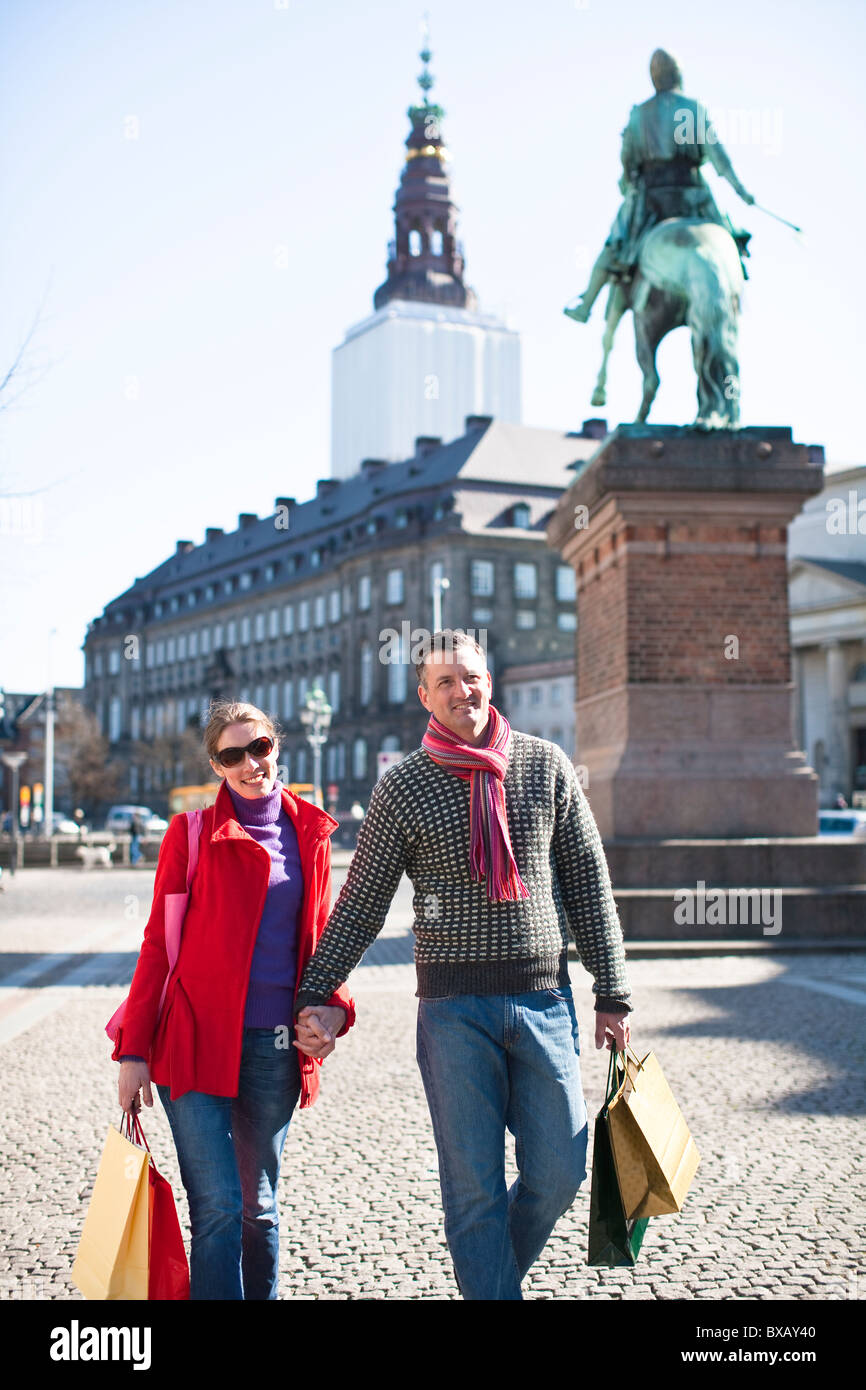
x=684, y=693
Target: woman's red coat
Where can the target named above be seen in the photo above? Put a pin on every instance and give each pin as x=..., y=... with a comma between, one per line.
x=196, y=1044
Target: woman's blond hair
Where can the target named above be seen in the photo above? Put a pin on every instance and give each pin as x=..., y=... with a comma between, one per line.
x=224, y=712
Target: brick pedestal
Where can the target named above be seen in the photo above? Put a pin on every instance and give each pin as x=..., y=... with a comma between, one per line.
x=684, y=708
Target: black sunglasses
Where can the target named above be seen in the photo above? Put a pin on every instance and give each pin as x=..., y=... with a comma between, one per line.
x=260, y=748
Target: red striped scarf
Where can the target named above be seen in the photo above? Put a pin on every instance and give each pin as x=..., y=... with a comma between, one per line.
x=490, y=853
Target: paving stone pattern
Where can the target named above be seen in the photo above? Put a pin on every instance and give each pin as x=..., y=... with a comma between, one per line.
x=769, y=1073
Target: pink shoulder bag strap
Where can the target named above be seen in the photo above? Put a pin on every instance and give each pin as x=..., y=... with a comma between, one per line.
x=175, y=911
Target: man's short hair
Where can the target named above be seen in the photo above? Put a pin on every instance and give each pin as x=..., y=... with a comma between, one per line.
x=447, y=641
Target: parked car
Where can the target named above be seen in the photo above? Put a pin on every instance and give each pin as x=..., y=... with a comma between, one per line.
x=65, y=825
x=119, y=819
x=849, y=822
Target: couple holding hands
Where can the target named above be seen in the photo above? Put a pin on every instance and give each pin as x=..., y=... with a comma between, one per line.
x=492, y=826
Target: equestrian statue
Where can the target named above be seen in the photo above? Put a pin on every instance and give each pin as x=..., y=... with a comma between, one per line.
x=672, y=257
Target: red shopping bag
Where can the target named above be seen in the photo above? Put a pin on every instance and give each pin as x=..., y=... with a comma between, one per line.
x=167, y=1269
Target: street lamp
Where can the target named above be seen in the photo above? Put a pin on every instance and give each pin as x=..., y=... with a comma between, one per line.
x=316, y=718
x=14, y=760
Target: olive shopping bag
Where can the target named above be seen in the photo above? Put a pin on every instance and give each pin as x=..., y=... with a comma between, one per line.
x=613, y=1239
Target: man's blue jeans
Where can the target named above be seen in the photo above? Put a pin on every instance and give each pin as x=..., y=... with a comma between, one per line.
x=491, y=1062
x=229, y=1149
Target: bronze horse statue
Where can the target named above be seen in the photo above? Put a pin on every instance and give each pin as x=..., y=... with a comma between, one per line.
x=688, y=273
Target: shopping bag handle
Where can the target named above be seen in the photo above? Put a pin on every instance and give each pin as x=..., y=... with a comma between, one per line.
x=613, y=1078
x=130, y=1128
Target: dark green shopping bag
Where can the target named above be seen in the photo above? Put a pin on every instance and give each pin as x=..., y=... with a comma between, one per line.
x=613, y=1241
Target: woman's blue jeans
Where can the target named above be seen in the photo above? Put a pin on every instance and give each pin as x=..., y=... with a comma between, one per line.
x=229, y=1149
x=491, y=1063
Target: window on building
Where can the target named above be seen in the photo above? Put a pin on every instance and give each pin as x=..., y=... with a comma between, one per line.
x=115, y=709
x=160, y=653
x=273, y=699
x=231, y=633
x=334, y=606
x=217, y=636
x=246, y=580
x=319, y=611
x=365, y=689
x=316, y=557
x=520, y=516
x=347, y=599
x=288, y=699
x=149, y=658
x=514, y=697
x=260, y=696
x=536, y=695
x=175, y=603
x=566, y=622
x=246, y=631
x=401, y=518
x=274, y=623
x=204, y=644
x=397, y=682
x=363, y=593
x=304, y=615
x=181, y=647
x=228, y=585
x=193, y=644
x=525, y=580
x=209, y=593
x=394, y=586
x=260, y=627
x=359, y=759
x=135, y=722
x=270, y=571
x=414, y=242
x=190, y=599
x=566, y=590
x=555, y=693
x=482, y=578
x=334, y=690
x=288, y=619
x=157, y=608
x=524, y=618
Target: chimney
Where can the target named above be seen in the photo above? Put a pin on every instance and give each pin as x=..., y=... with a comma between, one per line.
x=326, y=485
x=287, y=502
x=184, y=547
x=246, y=519
x=213, y=533
x=426, y=444
x=369, y=467
x=594, y=429
x=478, y=422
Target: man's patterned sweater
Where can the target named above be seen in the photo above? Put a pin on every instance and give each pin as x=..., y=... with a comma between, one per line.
x=418, y=822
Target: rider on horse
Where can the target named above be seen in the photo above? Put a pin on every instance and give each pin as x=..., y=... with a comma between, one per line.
x=666, y=141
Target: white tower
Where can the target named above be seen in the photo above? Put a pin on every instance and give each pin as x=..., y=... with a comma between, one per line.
x=427, y=357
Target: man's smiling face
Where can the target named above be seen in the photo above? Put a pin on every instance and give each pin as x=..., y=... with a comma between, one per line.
x=457, y=692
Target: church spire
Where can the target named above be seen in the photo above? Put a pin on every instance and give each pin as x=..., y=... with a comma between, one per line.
x=425, y=260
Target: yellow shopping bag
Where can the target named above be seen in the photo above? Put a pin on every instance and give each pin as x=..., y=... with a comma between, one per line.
x=112, y=1259
x=654, y=1153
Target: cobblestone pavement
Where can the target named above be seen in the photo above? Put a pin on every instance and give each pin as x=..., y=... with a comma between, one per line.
x=764, y=1054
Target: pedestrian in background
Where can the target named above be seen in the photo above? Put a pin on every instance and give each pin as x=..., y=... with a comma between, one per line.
x=494, y=831
x=227, y=1059
x=136, y=830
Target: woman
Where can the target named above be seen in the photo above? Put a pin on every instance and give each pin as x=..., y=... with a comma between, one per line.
x=225, y=1054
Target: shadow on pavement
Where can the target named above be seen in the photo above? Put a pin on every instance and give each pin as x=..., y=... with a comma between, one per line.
x=799, y=1020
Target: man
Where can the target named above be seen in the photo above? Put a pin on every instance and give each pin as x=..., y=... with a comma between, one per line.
x=666, y=141
x=505, y=859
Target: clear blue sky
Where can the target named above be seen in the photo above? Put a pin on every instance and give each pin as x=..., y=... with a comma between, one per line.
x=179, y=375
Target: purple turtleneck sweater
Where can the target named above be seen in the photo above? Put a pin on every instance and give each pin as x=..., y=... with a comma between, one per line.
x=274, y=967
x=271, y=993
